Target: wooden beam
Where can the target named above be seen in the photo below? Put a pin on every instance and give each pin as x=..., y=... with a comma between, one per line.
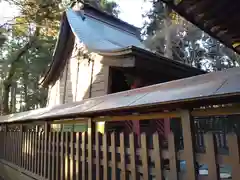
x=222, y=111
x=70, y=121
x=128, y=61
x=139, y=117
x=174, y=114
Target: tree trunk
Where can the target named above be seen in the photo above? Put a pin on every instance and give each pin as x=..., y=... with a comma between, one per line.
x=6, y=91
x=25, y=89
x=15, y=59
x=13, y=98
x=168, y=41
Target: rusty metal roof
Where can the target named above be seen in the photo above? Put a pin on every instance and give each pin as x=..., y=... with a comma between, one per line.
x=219, y=18
x=207, y=86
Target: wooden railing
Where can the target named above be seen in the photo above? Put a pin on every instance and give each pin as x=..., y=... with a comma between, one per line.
x=41, y=153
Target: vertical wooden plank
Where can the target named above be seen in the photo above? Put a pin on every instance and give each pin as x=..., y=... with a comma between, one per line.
x=18, y=141
x=105, y=157
x=13, y=147
x=211, y=153
x=233, y=145
x=188, y=140
x=10, y=146
x=62, y=156
x=6, y=146
x=66, y=155
x=30, y=155
x=20, y=145
x=53, y=155
x=72, y=156
x=97, y=148
x=123, y=157
x=172, y=157
x=113, y=158
x=57, y=173
x=34, y=154
x=90, y=147
x=144, y=156
x=21, y=149
x=133, y=156
x=39, y=152
x=28, y=149
x=46, y=134
x=16, y=147
x=25, y=150
x=2, y=142
x=6, y=142
x=42, y=154
x=49, y=166
x=77, y=156
x=83, y=158
x=157, y=156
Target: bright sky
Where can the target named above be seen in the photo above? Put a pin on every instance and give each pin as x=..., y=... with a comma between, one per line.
x=131, y=11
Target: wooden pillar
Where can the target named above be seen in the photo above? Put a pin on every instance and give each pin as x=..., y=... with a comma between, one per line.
x=167, y=128
x=136, y=123
x=188, y=140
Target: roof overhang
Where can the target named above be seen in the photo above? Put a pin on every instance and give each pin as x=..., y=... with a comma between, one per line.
x=220, y=19
x=209, y=89
x=148, y=59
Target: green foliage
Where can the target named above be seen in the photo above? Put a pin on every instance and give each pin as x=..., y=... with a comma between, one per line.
x=28, y=50
x=110, y=6
x=189, y=44
x=20, y=26
x=27, y=53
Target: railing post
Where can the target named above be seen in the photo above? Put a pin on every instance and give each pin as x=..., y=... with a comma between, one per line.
x=188, y=140
x=2, y=141
x=20, y=146
x=90, y=147
x=5, y=142
x=46, y=135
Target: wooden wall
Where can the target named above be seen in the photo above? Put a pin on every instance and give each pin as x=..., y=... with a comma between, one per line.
x=83, y=77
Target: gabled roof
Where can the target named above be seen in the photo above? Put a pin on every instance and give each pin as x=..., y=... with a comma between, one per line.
x=100, y=33
x=219, y=18
x=212, y=88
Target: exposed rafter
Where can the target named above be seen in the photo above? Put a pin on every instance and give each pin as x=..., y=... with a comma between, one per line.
x=220, y=19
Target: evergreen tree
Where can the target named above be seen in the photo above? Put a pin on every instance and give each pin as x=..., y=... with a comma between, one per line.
x=27, y=49
x=169, y=34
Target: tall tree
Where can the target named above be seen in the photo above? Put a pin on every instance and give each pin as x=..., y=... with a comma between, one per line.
x=27, y=51
x=32, y=30
x=168, y=33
